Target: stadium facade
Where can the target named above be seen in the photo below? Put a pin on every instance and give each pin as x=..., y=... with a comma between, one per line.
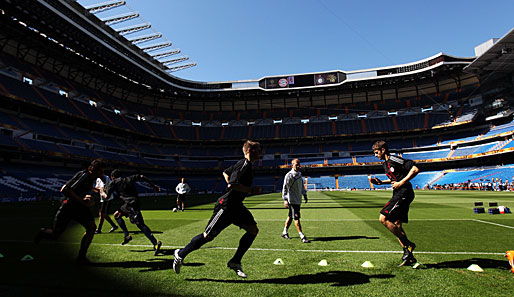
x=74, y=88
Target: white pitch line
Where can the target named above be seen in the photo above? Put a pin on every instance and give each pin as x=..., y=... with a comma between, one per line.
x=496, y=224
x=270, y=250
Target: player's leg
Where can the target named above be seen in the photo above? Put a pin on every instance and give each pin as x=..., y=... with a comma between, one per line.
x=86, y=242
x=296, y=217
x=219, y=221
x=83, y=215
x=105, y=209
x=101, y=218
x=61, y=221
x=137, y=218
x=243, y=218
x=118, y=216
x=114, y=227
x=245, y=242
x=286, y=226
x=298, y=225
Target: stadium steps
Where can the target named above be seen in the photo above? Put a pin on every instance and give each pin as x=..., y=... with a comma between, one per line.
x=437, y=177
x=173, y=132
x=43, y=97
x=501, y=145
x=76, y=107
x=395, y=123
x=149, y=128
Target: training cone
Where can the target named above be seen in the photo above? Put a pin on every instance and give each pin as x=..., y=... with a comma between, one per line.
x=27, y=258
x=367, y=264
x=323, y=263
x=475, y=268
x=510, y=257
x=278, y=262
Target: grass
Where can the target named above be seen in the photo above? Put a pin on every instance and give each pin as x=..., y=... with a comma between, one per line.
x=343, y=227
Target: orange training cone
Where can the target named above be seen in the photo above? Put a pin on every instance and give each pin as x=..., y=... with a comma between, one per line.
x=510, y=256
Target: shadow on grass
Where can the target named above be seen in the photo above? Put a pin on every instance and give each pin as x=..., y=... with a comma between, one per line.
x=335, y=278
x=150, y=265
x=334, y=238
x=483, y=263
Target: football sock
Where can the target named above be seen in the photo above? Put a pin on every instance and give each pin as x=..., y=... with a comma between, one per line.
x=405, y=242
x=147, y=232
x=301, y=235
x=122, y=225
x=285, y=230
x=244, y=244
x=193, y=245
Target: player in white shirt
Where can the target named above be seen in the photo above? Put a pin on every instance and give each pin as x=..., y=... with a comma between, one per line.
x=292, y=193
x=182, y=189
x=103, y=211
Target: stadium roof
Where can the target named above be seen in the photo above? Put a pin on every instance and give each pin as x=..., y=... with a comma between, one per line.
x=499, y=58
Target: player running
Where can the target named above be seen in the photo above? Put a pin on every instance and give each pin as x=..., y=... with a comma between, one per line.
x=125, y=189
x=400, y=171
x=229, y=209
x=76, y=206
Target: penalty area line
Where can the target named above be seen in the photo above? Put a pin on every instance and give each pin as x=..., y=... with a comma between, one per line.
x=495, y=224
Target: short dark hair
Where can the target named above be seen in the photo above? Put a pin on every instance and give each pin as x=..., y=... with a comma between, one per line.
x=251, y=145
x=115, y=173
x=96, y=163
x=379, y=145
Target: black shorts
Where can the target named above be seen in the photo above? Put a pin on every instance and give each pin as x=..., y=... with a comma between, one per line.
x=294, y=211
x=133, y=212
x=181, y=197
x=222, y=217
x=104, y=206
x=71, y=210
x=398, y=207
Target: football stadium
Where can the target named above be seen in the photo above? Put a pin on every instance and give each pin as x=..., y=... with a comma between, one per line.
x=76, y=87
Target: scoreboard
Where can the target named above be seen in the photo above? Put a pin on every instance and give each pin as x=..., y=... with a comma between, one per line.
x=302, y=80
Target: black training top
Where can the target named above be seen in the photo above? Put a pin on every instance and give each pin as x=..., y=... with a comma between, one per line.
x=239, y=173
x=397, y=168
x=125, y=188
x=81, y=183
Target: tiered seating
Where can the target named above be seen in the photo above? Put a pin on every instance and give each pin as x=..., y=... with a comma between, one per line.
x=426, y=155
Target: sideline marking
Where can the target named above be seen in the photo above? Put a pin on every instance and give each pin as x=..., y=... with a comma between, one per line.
x=491, y=223
x=267, y=250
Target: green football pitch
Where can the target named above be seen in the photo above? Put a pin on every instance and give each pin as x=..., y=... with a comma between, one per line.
x=343, y=228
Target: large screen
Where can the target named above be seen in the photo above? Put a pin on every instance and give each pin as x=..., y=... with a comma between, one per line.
x=302, y=80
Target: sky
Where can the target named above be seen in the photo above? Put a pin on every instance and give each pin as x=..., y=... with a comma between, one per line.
x=233, y=40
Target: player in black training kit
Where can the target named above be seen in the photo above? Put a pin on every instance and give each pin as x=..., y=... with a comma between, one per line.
x=125, y=189
x=400, y=171
x=229, y=209
x=76, y=207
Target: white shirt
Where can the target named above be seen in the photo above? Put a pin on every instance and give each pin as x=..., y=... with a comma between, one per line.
x=101, y=185
x=293, y=188
x=182, y=188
